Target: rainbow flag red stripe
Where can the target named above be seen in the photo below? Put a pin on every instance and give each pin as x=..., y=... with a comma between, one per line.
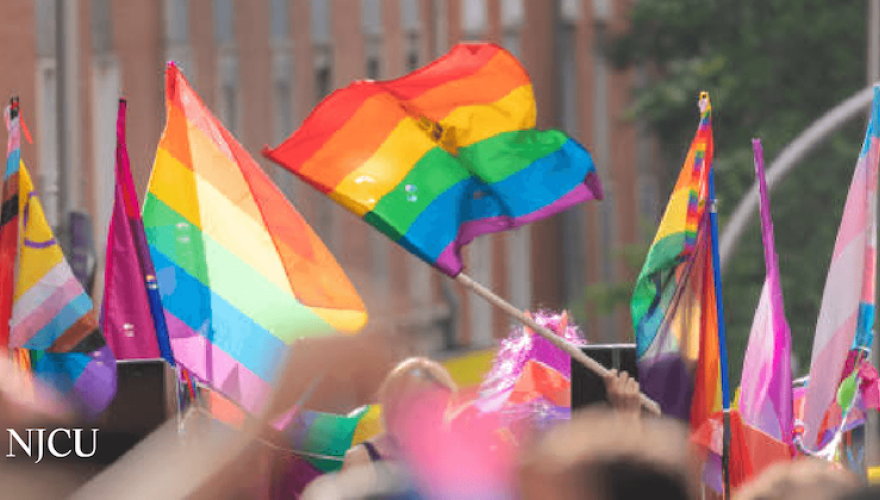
x=442, y=155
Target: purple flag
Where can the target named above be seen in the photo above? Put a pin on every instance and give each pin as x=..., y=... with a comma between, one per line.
x=765, y=397
x=127, y=322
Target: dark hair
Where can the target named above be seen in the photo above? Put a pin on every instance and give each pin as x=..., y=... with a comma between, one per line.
x=869, y=493
x=624, y=479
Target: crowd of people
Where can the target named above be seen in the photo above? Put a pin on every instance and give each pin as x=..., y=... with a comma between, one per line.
x=612, y=452
x=437, y=445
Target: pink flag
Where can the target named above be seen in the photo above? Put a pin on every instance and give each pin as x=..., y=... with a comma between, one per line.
x=126, y=320
x=765, y=394
x=846, y=318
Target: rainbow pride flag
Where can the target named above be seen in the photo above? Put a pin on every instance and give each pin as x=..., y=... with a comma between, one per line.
x=52, y=317
x=241, y=274
x=846, y=317
x=673, y=304
x=442, y=155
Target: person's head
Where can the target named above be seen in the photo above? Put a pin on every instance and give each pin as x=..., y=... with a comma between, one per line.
x=408, y=381
x=804, y=479
x=598, y=456
x=868, y=493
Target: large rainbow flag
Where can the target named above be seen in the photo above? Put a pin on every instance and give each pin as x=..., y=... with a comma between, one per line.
x=673, y=305
x=52, y=322
x=241, y=274
x=442, y=155
x=846, y=317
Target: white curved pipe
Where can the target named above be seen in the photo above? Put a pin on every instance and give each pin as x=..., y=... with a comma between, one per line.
x=790, y=157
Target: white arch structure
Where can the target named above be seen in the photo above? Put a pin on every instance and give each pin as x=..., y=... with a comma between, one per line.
x=787, y=160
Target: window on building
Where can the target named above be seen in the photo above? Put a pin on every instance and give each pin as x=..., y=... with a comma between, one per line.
x=371, y=17
x=320, y=18
x=228, y=92
x=602, y=9
x=230, y=116
x=323, y=82
x=409, y=15
x=510, y=40
x=570, y=10
x=568, y=87
x=474, y=17
x=512, y=13
x=511, y=22
x=223, y=21
x=177, y=21
x=101, y=27
x=46, y=28
x=412, y=60
x=373, y=68
x=47, y=107
x=279, y=20
x=440, y=25
x=282, y=76
x=573, y=221
x=603, y=157
x=47, y=147
x=282, y=103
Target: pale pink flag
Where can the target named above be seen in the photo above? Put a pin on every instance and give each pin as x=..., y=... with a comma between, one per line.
x=846, y=318
x=765, y=394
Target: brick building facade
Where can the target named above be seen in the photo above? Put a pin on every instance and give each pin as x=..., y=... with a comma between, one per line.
x=261, y=65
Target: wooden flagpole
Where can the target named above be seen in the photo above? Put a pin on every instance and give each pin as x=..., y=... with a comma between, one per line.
x=556, y=340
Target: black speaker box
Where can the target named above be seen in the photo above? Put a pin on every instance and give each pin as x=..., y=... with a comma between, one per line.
x=146, y=396
x=588, y=388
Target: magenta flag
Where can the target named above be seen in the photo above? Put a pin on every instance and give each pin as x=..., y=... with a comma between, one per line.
x=126, y=320
x=765, y=394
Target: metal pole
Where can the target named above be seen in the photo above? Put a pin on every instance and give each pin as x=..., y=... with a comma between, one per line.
x=872, y=429
x=722, y=337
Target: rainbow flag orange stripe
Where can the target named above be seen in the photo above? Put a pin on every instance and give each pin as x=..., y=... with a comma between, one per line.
x=442, y=155
x=673, y=305
x=241, y=274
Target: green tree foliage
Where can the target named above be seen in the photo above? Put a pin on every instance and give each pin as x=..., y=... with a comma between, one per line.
x=772, y=67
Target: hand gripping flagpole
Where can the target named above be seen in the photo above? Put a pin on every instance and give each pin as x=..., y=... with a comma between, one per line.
x=722, y=341
x=556, y=340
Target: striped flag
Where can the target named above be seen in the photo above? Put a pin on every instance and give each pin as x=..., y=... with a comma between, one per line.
x=442, y=155
x=52, y=316
x=241, y=274
x=846, y=317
